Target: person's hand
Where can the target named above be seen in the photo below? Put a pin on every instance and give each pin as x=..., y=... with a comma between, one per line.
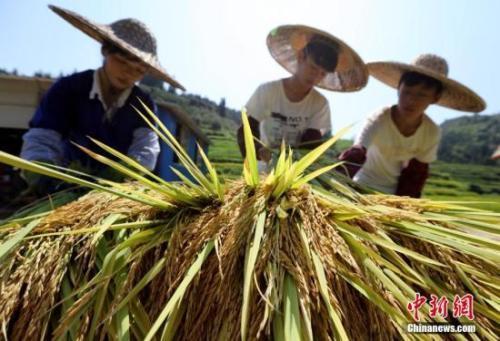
x=264, y=154
x=39, y=184
x=354, y=157
x=355, y=154
x=111, y=174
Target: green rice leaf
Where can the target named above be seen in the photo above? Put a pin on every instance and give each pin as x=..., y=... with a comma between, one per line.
x=251, y=156
x=250, y=259
x=303, y=180
x=335, y=319
x=374, y=297
x=314, y=154
x=391, y=245
x=212, y=172
x=167, y=137
x=106, y=224
x=8, y=246
x=174, y=301
x=148, y=277
x=36, y=168
x=291, y=311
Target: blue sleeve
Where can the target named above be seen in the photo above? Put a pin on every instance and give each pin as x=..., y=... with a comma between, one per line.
x=43, y=145
x=54, y=111
x=145, y=147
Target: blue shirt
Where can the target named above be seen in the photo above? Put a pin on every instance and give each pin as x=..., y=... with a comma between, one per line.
x=67, y=113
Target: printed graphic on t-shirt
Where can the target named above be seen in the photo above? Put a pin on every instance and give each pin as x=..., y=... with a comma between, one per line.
x=287, y=127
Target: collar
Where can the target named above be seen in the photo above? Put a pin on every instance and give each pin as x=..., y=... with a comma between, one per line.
x=96, y=92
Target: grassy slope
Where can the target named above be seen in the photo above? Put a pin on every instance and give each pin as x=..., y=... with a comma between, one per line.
x=466, y=182
x=457, y=182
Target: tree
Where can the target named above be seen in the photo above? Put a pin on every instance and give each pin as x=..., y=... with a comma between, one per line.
x=152, y=82
x=216, y=125
x=221, y=109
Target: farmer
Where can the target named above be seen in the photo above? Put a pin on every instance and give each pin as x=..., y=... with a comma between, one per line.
x=291, y=109
x=393, y=151
x=98, y=103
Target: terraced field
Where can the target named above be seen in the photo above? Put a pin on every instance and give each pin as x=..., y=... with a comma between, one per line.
x=460, y=182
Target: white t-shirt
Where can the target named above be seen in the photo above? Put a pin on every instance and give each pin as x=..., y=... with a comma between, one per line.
x=282, y=119
x=388, y=151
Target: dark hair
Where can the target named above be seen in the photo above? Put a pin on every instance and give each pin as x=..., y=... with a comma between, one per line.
x=111, y=48
x=412, y=78
x=323, y=52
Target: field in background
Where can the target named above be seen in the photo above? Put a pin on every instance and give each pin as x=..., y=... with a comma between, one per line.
x=465, y=182
x=457, y=182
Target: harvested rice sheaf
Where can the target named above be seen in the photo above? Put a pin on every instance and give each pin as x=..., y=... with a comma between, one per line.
x=265, y=257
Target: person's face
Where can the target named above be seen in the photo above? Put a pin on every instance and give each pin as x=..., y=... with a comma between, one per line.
x=308, y=72
x=123, y=71
x=414, y=100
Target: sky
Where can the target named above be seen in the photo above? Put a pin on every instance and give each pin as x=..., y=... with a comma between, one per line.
x=217, y=48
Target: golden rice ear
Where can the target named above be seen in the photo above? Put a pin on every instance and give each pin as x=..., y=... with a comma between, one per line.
x=310, y=263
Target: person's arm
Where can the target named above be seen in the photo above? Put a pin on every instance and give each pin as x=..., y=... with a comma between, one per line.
x=145, y=147
x=412, y=179
x=44, y=140
x=354, y=158
x=320, y=125
x=49, y=125
x=311, y=138
x=257, y=108
x=40, y=144
x=260, y=150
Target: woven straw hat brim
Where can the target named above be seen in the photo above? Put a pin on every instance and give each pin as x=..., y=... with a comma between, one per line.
x=103, y=33
x=284, y=43
x=496, y=154
x=455, y=95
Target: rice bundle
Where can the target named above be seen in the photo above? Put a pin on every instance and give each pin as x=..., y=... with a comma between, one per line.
x=257, y=258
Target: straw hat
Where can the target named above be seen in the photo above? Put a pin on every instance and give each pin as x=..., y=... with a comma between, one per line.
x=496, y=154
x=130, y=35
x=284, y=43
x=455, y=95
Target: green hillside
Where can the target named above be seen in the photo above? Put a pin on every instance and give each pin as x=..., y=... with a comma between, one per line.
x=470, y=139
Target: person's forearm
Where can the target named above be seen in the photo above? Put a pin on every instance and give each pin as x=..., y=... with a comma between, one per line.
x=310, y=139
x=354, y=158
x=145, y=147
x=412, y=179
x=254, y=127
x=41, y=144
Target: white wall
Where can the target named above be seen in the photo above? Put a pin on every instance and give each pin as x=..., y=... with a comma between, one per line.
x=19, y=97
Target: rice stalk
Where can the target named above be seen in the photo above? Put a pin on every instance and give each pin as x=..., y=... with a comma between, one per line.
x=264, y=257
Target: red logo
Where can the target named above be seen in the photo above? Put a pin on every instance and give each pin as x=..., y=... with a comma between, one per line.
x=462, y=306
x=438, y=306
x=415, y=305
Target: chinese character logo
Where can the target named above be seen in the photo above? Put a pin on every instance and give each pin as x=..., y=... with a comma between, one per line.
x=415, y=305
x=464, y=306
x=438, y=306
